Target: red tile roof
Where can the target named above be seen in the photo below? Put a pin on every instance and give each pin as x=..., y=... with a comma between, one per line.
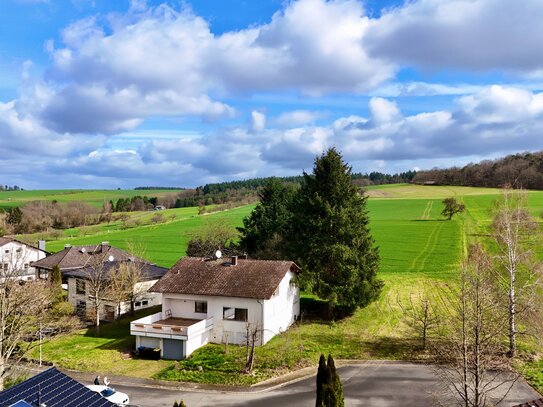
x=247, y=279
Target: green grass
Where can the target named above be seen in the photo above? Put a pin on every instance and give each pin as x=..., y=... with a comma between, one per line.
x=93, y=197
x=419, y=252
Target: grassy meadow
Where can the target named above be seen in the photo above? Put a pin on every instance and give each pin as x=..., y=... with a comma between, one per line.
x=93, y=197
x=420, y=253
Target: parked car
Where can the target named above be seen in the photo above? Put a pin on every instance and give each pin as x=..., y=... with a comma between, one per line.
x=117, y=397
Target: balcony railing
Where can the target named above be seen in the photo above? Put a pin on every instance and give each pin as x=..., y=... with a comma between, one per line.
x=154, y=325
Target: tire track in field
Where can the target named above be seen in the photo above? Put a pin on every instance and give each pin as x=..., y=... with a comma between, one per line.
x=429, y=247
x=427, y=210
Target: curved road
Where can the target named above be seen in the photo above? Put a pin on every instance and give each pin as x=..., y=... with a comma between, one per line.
x=368, y=385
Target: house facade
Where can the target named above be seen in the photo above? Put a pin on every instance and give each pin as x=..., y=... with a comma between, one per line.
x=220, y=301
x=76, y=264
x=16, y=259
x=79, y=291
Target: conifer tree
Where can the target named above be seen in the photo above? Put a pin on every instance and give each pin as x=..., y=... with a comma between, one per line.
x=331, y=238
x=329, y=388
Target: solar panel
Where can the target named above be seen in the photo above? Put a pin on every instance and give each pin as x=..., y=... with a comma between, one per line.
x=55, y=389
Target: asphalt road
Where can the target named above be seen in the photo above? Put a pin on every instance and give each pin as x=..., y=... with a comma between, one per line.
x=369, y=385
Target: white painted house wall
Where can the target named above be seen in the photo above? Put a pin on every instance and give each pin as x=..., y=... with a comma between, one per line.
x=146, y=300
x=17, y=256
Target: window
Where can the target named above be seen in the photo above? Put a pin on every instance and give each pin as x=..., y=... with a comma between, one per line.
x=81, y=308
x=144, y=303
x=27, y=266
x=19, y=250
x=137, y=304
x=234, y=314
x=200, y=307
x=80, y=286
x=5, y=265
x=6, y=251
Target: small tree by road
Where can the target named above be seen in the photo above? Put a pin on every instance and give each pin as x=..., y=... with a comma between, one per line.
x=452, y=207
x=329, y=388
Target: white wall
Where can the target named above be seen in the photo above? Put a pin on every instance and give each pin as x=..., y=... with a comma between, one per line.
x=273, y=316
x=282, y=309
x=18, y=257
x=152, y=299
x=233, y=331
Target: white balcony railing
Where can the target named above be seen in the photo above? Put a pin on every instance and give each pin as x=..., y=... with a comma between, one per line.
x=154, y=325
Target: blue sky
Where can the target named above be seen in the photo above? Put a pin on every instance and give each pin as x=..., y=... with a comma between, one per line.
x=107, y=94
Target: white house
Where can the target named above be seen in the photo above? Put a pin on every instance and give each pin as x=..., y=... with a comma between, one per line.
x=79, y=293
x=75, y=263
x=218, y=301
x=16, y=258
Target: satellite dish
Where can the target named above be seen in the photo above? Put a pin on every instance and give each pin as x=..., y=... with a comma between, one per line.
x=218, y=254
x=111, y=258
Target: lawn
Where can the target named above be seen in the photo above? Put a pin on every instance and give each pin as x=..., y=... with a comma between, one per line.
x=93, y=197
x=420, y=253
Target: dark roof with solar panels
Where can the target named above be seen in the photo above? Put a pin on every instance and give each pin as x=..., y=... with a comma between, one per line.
x=53, y=389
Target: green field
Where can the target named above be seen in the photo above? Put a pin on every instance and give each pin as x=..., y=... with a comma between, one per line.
x=93, y=197
x=420, y=252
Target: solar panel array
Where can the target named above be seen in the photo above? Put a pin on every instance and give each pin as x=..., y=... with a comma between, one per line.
x=55, y=389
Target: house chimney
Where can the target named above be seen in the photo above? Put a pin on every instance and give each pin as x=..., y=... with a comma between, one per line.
x=41, y=245
x=104, y=246
x=234, y=260
x=244, y=256
x=67, y=246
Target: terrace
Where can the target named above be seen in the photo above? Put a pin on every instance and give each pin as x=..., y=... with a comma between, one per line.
x=171, y=327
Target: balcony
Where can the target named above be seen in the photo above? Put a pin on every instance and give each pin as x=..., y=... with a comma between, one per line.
x=171, y=328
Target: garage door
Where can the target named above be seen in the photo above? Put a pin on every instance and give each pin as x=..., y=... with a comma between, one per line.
x=172, y=349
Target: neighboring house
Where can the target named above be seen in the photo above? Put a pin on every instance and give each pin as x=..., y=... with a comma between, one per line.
x=16, y=258
x=75, y=264
x=160, y=208
x=219, y=301
x=533, y=403
x=52, y=388
x=78, y=290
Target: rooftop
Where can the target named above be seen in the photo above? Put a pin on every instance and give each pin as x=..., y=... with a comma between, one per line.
x=246, y=279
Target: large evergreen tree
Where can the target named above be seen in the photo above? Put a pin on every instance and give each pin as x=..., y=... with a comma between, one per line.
x=264, y=230
x=331, y=237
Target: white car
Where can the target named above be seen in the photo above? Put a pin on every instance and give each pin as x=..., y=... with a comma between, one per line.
x=117, y=397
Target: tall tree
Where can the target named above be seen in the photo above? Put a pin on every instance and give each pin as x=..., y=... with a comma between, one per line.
x=264, y=230
x=515, y=232
x=331, y=237
x=475, y=347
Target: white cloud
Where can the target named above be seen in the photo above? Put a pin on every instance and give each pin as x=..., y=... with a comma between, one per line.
x=480, y=35
x=258, y=122
x=297, y=118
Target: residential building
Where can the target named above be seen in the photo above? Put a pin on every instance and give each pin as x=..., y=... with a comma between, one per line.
x=79, y=292
x=219, y=301
x=52, y=388
x=16, y=258
x=76, y=264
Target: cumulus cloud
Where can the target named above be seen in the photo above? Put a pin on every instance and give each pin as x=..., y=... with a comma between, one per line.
x=159, y=61
x=476, y=35
x=258, y=121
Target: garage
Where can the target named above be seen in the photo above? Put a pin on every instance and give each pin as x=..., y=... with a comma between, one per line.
x=173, y=349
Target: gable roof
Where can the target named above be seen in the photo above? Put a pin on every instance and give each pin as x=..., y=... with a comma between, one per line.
x=5, y=240
x=149, y=271
x=247, y=279
x=75, y=257
x=56, y=390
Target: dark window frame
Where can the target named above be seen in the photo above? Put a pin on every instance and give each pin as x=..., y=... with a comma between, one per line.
x=200, y=307
x=78, y=283
x=240, y=314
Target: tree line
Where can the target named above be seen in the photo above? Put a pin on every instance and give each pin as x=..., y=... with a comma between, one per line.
x=523, y=170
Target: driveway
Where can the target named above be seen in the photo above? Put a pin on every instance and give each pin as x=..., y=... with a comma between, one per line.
x=369, y=385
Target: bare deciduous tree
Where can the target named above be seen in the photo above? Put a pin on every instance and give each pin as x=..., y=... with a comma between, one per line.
x=23, y=307
x=475, y=375
x=124, y=284
x=421, y=314
x=517, y=274
x=96, y=275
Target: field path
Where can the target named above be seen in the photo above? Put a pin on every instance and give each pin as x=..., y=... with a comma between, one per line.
x=419, y=261
x=427, y=210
